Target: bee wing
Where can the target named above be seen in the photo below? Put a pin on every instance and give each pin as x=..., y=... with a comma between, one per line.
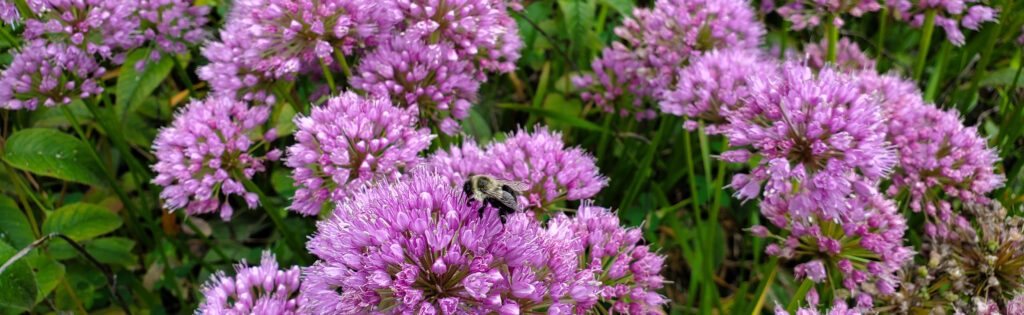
x=517, y=186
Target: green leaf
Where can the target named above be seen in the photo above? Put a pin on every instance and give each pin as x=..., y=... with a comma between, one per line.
x=557, y=103
x=18, y=287
x=53, y=116
x=568, y=119
x=1002, y=77
x=283, y=183
x=51, y=153
x=133, y=87
x=48, y=274
x=81, y=221
x=476, y=126
x=579, y=16
x=14, y=227
x=112, y=250
x=624, y=7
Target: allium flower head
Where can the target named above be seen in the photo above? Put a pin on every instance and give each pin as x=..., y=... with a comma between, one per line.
x=633, y=272
x=660, y=40
x=838, y=308
x=480, y=30
x=171, y=25
x=48, y=74
x=938, y=155
x=348, y=142
x=713, y=85
x=950, y=15
x=540, y=160
x=108, y=28
x=262, y=289
x=418, y=245
x=267, y=40
x=810, y=13
x=207, y=151
x=8, y=12
x=414, y=73
x=849, y=57
x=813, y=132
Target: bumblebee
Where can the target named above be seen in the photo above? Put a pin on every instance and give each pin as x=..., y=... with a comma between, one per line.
x=500, y=194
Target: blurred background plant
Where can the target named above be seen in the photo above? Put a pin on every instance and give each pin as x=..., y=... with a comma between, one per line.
x=77, y=140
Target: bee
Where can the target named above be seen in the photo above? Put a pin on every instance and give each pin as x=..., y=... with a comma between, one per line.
x=500, y=194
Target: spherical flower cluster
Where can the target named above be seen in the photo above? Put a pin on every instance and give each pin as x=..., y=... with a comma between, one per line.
x=849, y=57
x=949, y=14
x=267, y=40
x=816, y=133
x=108, y=28
x=658, y=41
x=479, y=30
x=810, y=13
x=8, y=12
x=540, y=160
x=171, y=25
x=348, y=142
x=863, y=248
x=262, y=289
x=413, y=73
x=207, y=151
x=713, y=85
x=48, y=74
x=633, y=272
x=419, y=246
x=838, y=308
x=937, y=154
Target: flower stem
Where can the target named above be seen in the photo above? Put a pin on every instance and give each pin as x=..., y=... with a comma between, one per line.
x=762, y=289
x=933, y=80
x=205, y=238
x=799, y=296
x=832, y=31
x=340, y=59
x=923, y=45
x=25, y=10
x=883, y=22
x=272, y=212
x=328, y=75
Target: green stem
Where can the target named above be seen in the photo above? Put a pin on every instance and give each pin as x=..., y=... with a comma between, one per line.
x=25, y=10
x=799, y=296
x=923, y=45
x=140, y=173
x=883, y=23
x=980, y=72
x=328, y=75
x=272, y=212
x=10, y=39
x=645, y=164
x=762, y=289
x=340, y=59
x=16, y=179
x=602, y=15
x=933, y=80
x=603, y=144
x=132, y=209
x=833, y=36
x=183, y=75
x=784, y=39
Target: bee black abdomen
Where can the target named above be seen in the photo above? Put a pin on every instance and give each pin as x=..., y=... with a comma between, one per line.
x=468, y=189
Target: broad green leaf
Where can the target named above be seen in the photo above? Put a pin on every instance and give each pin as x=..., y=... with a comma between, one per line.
x=53, y=116
x=48, y=274
x=624, y=7
x=1002, y=76
x=133, y=87
x=112, y=250
x=52, y=153
x=285, y=121
x=546, y=113
x=283, y=183
x=565, y=108
x=18, y=287
x=14, y=227
x=477, y=126
x=81, y=221
x=579, y=16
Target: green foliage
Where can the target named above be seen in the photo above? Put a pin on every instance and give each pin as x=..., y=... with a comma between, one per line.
x=50, y=152
x=18, y=287
x=81, y=221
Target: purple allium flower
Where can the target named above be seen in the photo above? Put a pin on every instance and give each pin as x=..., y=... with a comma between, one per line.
x=659, y=41
x=813, y=132
x=348, y=142
x=1016, y=305
x=810, y=13
x=171, y=25
x=849, y=57
x=9, y=12
x=414, y=73
x=207, y=151
x=419, y=245
x=262, y=289
x=479, y=30
x=267, y=40
x=48, y=74
x=540, y=160
x=938, y=155
x=108, y=28
x=714, y=84
x=631, y=272
x=969, y=13
x=1020, y=40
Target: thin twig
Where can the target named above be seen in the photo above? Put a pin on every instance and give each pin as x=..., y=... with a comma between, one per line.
x=111, y=279
x=550, y=40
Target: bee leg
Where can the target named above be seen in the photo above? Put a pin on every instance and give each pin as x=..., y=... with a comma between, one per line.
x=507, y=205
x=468, y=189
